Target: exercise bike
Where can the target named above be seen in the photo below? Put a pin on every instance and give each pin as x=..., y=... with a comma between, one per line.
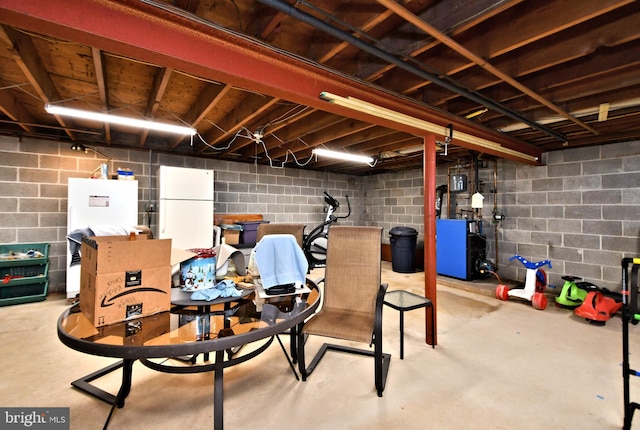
x=314, y=244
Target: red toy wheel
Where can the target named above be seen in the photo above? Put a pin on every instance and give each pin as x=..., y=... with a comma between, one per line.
x=539, y=301
x=502, y=292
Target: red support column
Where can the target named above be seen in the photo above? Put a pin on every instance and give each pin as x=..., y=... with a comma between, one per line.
x=429, y=173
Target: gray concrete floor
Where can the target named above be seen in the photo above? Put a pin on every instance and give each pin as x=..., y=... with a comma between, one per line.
x=498, y=365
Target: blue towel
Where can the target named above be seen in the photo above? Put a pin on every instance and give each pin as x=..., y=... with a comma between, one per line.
x=280, y=261
x=224, y=288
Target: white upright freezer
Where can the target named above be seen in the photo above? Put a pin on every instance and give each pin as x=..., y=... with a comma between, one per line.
x=92, y=205
x=185, y=212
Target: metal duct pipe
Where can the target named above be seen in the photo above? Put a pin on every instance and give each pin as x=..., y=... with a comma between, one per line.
x=358, y=43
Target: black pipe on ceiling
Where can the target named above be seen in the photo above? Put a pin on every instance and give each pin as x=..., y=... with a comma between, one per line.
x=373, y=50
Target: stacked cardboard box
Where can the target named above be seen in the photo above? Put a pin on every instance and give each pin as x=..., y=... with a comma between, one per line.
x=123, y=279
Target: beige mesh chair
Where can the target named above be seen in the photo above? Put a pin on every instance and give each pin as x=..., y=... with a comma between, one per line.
x=281, y=228
x=353, y=295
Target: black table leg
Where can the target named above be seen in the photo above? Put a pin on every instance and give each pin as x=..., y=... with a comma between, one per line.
x=125, y=389
x=84, y=383
x=218, y=393
x=293, y=347
x=291, y=363
x=401, y=334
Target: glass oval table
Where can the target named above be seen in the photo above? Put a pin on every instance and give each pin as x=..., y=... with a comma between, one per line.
x=221, y=326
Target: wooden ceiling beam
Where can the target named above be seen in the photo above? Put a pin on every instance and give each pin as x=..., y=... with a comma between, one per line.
x=364, y=137
x=531, y=22
x=315, y=122
x=101, y=83
x=16, y=111
x=280, y=119
x=539, y=57
x=366, y=27
x=481, y=62
x=348, y=127
x=395, y=141
x=447, y=18
x=365, y=142
x=28, y=60
x=234, y=121
x=579, y=107
x=125, y=26
x=159, y=87
x=571, y=86
x=206, y=101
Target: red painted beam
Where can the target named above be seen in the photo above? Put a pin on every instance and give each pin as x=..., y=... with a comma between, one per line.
x=429, y=173
x=145, y=32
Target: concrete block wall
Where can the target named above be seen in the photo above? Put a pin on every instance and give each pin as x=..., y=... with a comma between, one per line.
x=33, y=191
x=284, y=195
x=581, y=211
x=395, y=199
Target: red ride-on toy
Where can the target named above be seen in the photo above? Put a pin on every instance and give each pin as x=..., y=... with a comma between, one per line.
x=533, y=288
x=599, y=305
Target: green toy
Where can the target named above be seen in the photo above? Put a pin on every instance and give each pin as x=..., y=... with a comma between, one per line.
x=571, y=295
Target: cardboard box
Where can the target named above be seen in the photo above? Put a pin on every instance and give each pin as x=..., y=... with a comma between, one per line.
x=123, y=279
x=232, y=237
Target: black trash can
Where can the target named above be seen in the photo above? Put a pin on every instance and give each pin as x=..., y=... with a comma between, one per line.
x=403, y=249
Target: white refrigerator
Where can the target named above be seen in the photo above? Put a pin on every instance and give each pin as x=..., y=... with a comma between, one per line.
x=96, y=207
x=185, y=212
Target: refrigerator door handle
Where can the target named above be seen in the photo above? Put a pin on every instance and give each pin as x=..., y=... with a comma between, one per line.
x=71, y=218
x=162, y=216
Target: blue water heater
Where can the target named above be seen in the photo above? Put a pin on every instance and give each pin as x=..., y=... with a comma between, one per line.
x=460, y=248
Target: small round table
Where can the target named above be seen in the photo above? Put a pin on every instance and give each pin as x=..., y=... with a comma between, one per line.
x=184, y=331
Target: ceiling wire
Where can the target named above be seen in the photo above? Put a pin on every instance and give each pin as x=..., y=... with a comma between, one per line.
x=11, y=86
x=284, y=118
x=245, y=133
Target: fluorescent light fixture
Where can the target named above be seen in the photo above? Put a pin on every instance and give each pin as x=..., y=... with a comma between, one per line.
x=603, y=112
x=121, y=120
x=400, y=118
x=476, y=113
x=624, y=104
x=342, y=155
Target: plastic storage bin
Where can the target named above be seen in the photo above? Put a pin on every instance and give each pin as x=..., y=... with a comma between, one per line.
x=249, y=232
x=23, y=291
x=24, y=272
x=403, y=249
x=12, y=273
x=18, y=254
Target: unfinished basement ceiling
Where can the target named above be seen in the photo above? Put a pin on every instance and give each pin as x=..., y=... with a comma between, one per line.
x=531, y=76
